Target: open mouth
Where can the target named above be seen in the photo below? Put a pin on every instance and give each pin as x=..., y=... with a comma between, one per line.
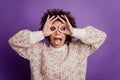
x=57, y=40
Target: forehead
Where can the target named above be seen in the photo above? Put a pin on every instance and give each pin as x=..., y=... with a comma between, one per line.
x=57, y=23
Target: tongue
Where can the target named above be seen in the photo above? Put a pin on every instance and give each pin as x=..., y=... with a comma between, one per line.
x=57, y=41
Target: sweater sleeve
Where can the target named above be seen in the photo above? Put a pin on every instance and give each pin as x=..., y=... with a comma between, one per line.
x=90, y=37
x=26, y=43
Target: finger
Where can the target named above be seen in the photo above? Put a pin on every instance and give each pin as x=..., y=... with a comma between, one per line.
x=64, y=32
x=68, y=21
x=66, y=18
x=52, y=17
x=61, y=19
x=69, y=24
x=48, y=17
x=62, y=15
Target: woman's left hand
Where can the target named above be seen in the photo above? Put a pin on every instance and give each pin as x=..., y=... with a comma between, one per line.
x=67, y=29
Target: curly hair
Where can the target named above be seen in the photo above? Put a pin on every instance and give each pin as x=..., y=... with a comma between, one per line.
x=56, y=12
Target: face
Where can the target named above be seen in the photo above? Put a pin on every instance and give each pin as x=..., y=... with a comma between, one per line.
x=57, y=39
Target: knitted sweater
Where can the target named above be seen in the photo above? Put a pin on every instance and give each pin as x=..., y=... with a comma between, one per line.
x=68, y=62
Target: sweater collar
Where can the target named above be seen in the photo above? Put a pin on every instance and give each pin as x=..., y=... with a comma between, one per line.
x=58, y=49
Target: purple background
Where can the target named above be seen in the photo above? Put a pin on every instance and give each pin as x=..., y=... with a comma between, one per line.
x=16, y=15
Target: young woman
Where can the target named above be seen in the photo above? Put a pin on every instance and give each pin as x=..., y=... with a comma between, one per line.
x=63, y=58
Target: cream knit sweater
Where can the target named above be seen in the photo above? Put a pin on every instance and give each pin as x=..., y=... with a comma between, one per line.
x=68, y=62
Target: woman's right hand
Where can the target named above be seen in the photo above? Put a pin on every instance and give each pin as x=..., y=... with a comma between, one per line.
x=48, y=28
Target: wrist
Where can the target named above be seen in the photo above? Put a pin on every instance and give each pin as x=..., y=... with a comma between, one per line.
x=44, y=34
x=72, y=30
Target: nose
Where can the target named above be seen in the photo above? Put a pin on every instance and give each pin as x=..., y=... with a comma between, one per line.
x=57, y=32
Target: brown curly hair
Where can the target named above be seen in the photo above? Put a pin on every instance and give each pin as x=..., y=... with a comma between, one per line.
x=55, y=12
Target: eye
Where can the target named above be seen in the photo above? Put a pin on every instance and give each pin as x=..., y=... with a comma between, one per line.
x=62, y=28
x=52, y=28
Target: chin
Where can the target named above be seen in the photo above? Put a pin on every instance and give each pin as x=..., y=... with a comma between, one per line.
x=58, y=46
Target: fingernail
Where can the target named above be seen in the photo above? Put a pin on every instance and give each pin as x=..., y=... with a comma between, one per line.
x=62, y=15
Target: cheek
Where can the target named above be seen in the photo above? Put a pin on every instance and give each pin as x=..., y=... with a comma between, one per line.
x=64, y=37
x=51, y=38
x=52, y=35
